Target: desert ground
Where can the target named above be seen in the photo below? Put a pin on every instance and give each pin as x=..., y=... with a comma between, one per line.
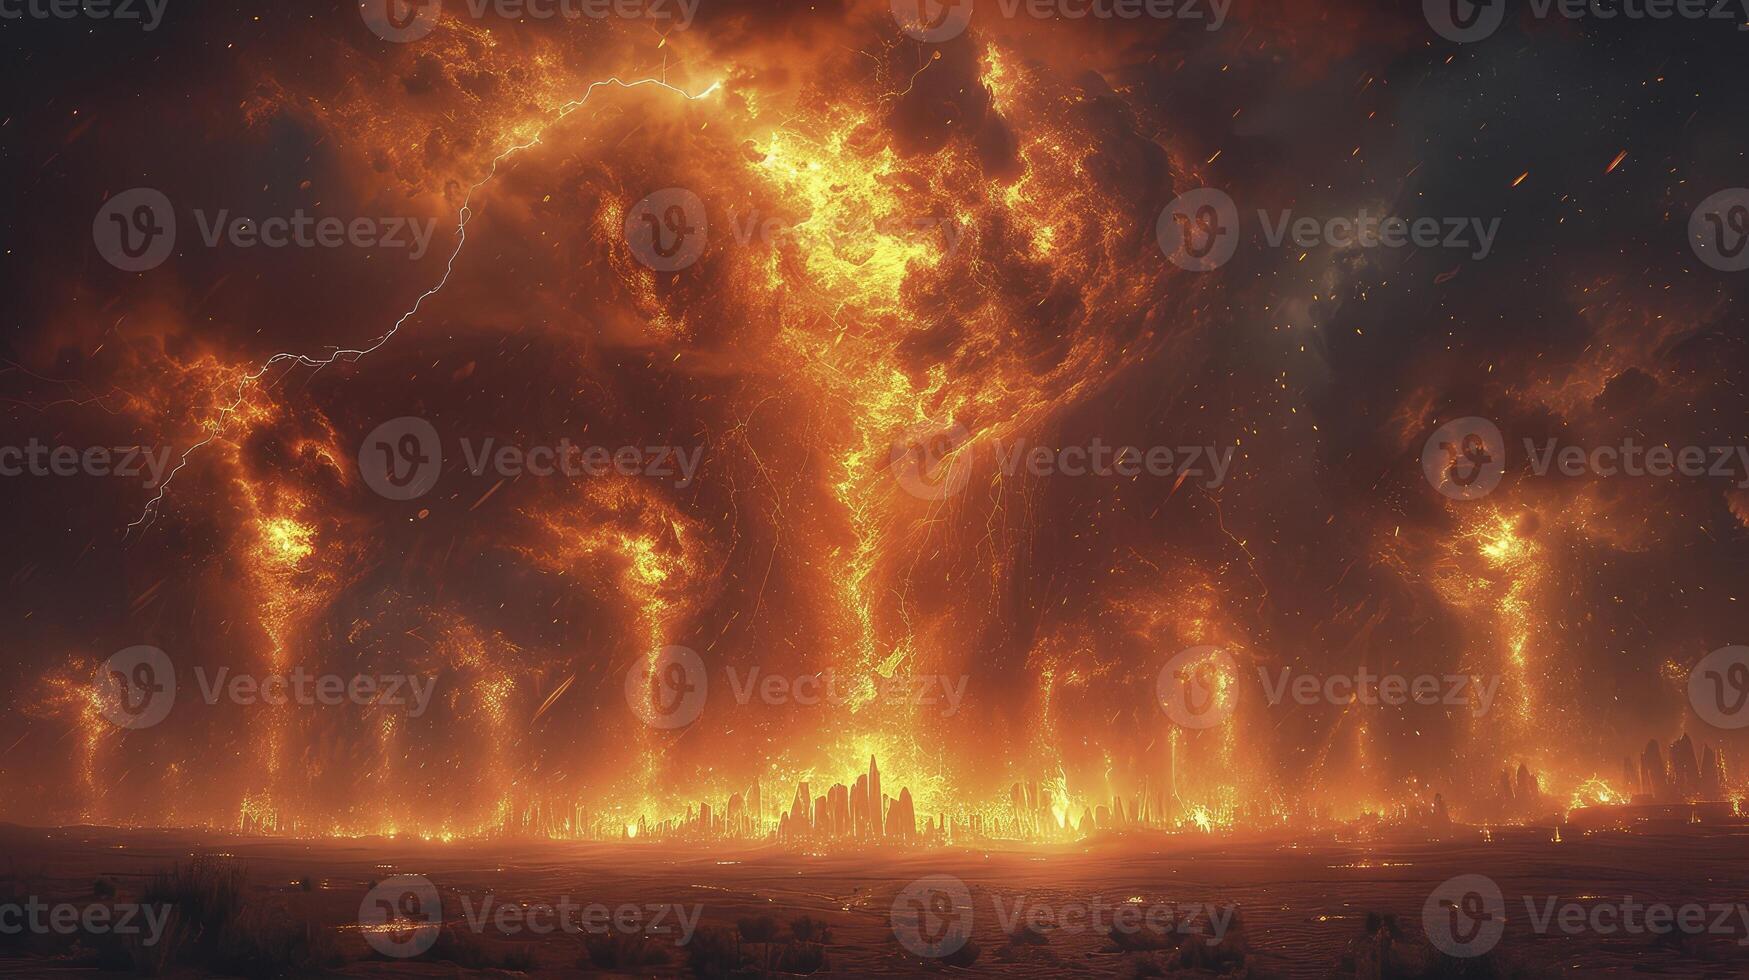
x=1303, y=905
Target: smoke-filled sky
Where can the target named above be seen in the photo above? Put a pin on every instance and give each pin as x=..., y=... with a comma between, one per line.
x=906, y=245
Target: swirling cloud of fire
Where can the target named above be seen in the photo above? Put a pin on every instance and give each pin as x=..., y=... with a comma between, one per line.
x=967, y=241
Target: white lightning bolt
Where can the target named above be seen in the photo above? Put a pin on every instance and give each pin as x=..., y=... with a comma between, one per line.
x=463, y=216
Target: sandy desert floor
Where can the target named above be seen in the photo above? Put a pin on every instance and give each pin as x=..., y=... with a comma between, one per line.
x=1302, y=902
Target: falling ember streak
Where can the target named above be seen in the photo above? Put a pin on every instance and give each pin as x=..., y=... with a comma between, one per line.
x=553, y=698
x=1619, y=157
x=1521, y=178
x=463, y=216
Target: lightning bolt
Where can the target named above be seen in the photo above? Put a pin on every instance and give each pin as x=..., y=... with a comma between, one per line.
x=293, y=359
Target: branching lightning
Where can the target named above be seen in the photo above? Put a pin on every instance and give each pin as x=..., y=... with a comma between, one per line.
x=463, y=216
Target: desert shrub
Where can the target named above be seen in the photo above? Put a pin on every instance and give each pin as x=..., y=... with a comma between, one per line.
x=964, y=956
x=621, y=951
x=803, y=958
x=205, y=898
x=810, y=930
x=263, y=945
x=464, y=948
x=760, y=930
x=714, y=954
